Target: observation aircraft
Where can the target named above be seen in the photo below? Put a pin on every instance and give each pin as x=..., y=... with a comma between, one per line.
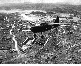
x=42, y=28
x=45, y=26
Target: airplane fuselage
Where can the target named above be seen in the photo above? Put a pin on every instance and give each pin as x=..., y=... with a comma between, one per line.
x=43, y=28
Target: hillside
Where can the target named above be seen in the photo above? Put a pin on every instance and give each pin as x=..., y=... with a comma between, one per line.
x=63, y=8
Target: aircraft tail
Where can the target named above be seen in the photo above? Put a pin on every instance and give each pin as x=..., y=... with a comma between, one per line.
x=56, y=23
x=57, y=20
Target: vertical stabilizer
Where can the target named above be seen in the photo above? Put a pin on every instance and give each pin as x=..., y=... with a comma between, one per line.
x=57, y=20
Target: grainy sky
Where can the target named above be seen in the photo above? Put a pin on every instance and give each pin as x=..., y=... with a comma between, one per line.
x=76, y=2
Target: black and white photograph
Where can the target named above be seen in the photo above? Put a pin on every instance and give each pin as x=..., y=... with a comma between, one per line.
x=40, y=31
